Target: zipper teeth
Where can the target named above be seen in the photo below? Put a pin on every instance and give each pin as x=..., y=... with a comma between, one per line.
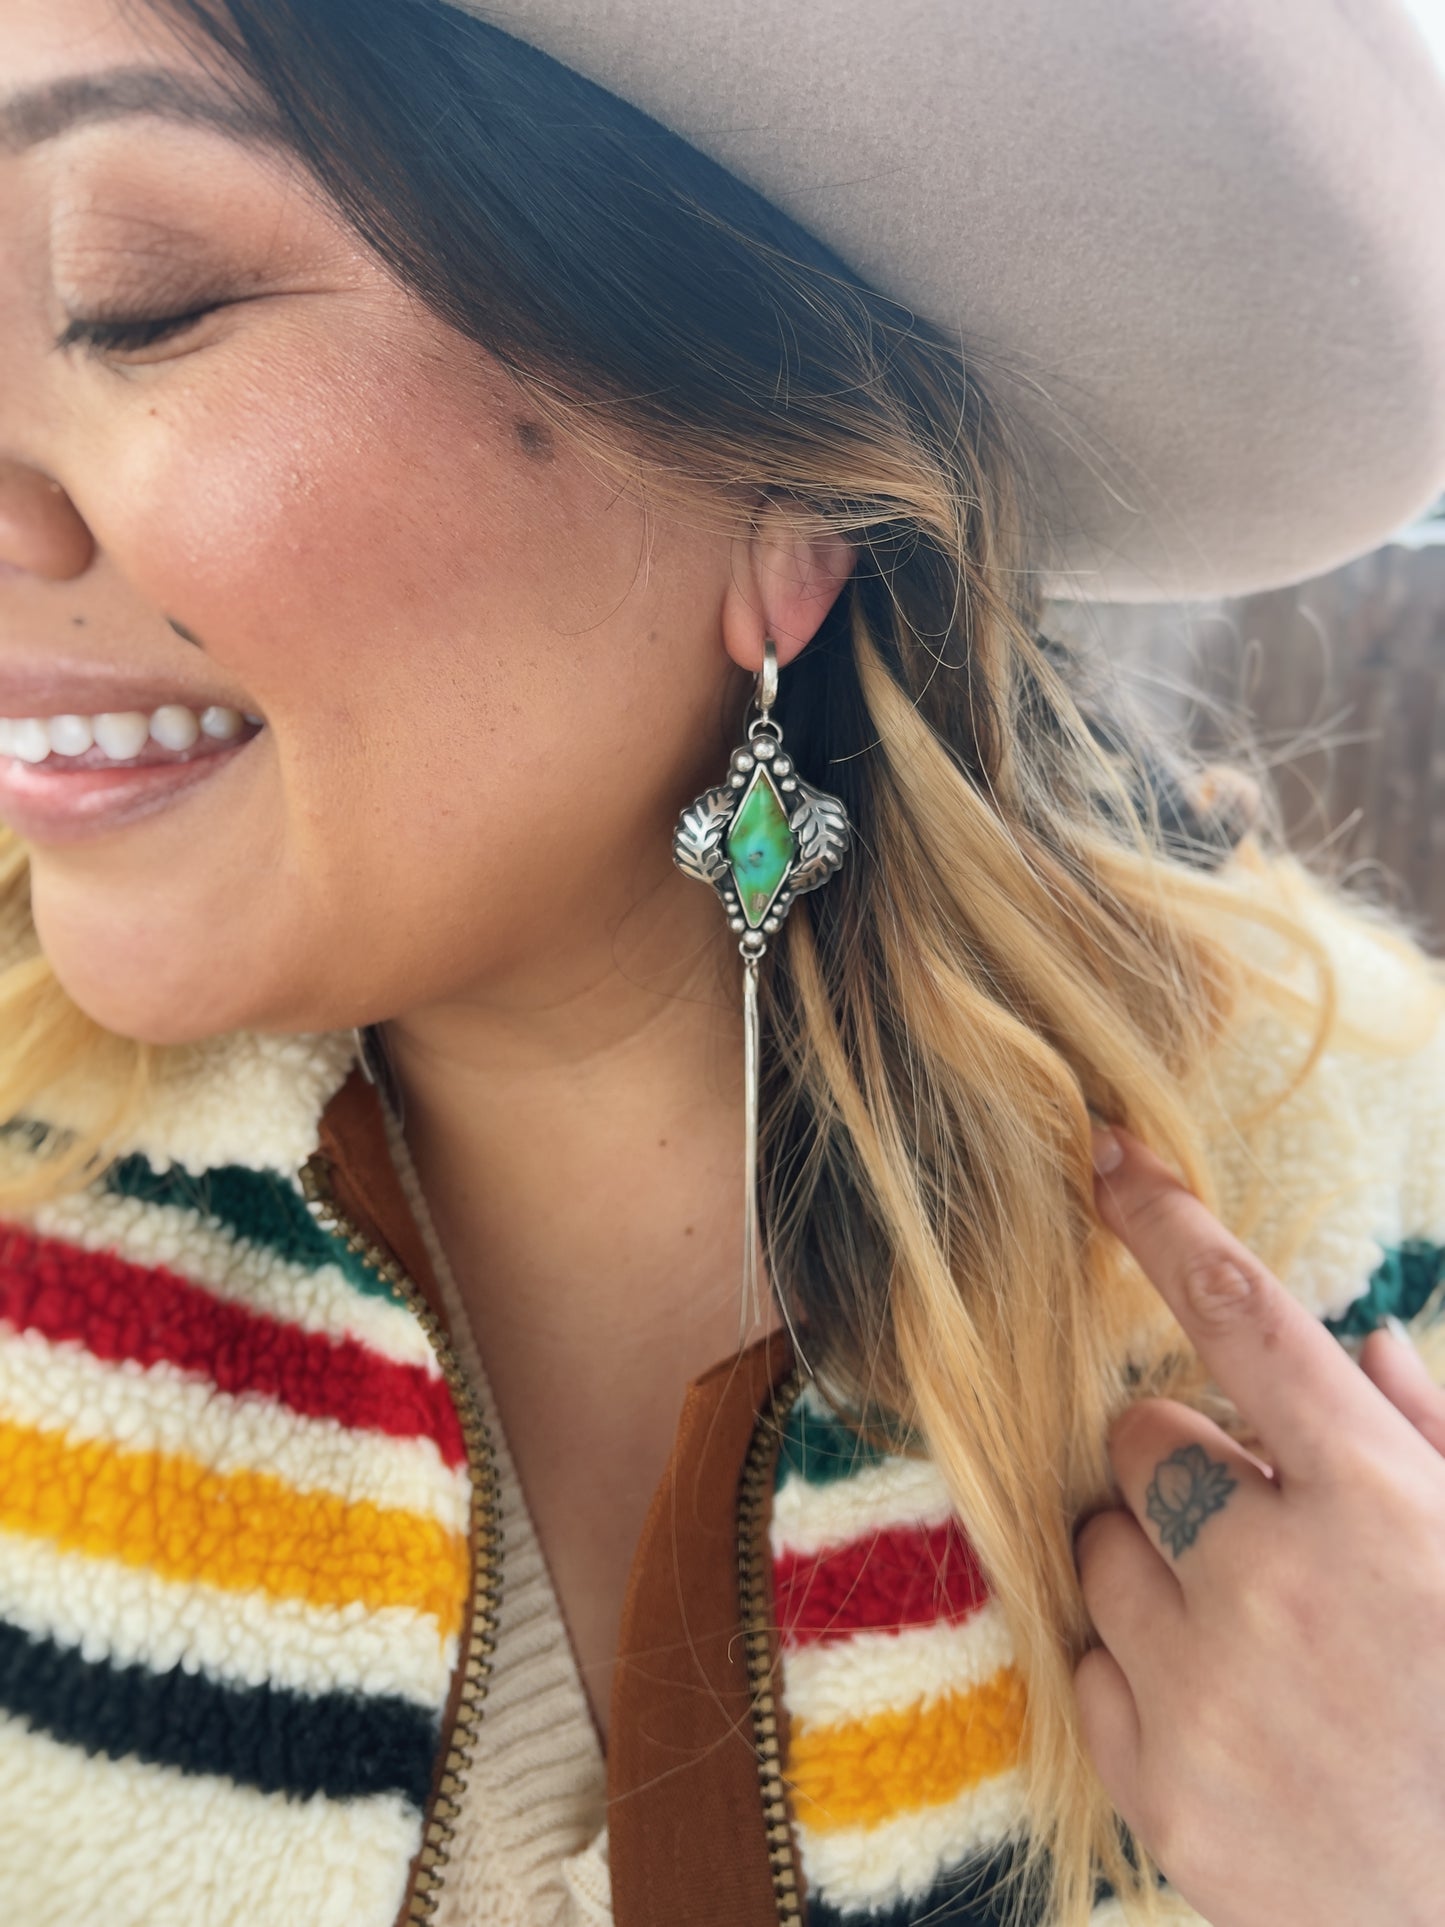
x=756, y=1599
x=439, y=1826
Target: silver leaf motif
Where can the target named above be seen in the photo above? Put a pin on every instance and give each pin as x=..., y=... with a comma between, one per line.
x=697, y=844
x=820, y=824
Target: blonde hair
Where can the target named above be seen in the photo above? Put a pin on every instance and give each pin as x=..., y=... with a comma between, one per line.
x=1019, y=937
x=1011, y=948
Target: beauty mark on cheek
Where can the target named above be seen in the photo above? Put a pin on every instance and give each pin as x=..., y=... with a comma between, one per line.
x=534, y=438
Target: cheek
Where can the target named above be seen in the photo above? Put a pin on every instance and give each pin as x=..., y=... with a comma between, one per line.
x=350, y=501
x=365, y=545
x=457, y=648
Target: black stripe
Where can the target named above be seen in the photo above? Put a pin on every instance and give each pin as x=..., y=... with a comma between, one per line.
x=986, y=1891
x=343, y=1745
x=978, y=1894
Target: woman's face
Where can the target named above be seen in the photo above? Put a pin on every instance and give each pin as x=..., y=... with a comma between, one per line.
x=485, y=678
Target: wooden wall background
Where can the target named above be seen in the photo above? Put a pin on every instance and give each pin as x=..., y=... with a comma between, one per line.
x=1342, y=682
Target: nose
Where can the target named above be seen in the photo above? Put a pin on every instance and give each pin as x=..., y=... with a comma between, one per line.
x=41, y=530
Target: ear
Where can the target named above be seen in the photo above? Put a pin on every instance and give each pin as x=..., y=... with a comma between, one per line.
x=784, y=581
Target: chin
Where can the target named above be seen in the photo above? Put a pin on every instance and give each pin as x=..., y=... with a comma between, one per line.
x=130, y=1006
x=143, y=983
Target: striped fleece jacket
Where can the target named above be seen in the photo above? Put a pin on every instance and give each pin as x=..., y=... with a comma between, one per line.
x=249, y=1555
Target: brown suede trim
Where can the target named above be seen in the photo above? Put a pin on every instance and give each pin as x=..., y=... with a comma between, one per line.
x=364, y=1180
x=687, y=1842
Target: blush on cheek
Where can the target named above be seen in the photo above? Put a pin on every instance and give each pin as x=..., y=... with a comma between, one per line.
x=349, y=509
x=449, y=621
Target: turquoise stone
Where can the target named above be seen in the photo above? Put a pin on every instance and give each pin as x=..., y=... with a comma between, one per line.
x=760, y=847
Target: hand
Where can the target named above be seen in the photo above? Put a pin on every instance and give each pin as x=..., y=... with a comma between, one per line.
x=1267, y=1706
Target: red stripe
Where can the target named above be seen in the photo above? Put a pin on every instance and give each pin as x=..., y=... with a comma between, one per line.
x=123, y=1311
x=907, y=1576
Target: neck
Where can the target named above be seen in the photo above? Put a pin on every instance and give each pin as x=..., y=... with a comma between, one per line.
x=586, y=1160
x=582, y=1156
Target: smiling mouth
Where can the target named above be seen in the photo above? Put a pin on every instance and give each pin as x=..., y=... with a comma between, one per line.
x=124, y=738
x=68, y=778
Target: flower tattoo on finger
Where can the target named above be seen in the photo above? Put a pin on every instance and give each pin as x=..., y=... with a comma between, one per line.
x=1185, y=1489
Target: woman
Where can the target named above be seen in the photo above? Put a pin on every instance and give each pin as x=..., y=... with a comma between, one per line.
x=413, y=462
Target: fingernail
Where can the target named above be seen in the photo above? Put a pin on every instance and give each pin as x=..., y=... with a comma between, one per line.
x=1398, y=1331
x=1108, y=1151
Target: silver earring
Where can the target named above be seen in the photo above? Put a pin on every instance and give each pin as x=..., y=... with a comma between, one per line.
x=761, y=839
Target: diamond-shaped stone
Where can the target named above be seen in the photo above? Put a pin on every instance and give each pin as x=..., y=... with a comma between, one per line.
x=760, y=847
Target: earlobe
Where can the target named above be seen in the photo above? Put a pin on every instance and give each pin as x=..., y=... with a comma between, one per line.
x=784, y=583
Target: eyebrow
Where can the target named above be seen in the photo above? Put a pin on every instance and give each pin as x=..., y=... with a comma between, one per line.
x=42, y=113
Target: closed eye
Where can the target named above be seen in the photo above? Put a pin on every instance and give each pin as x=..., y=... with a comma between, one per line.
x=99, y=334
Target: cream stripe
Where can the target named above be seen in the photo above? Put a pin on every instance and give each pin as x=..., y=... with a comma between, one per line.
x=316, y=1300
x=900, y=1859
x=158, y=1408
x=872, y=1673
x=85, y=1840
x=242, y=1098
x=130, y=1616
x=1353, y=1159
x=808, y=1519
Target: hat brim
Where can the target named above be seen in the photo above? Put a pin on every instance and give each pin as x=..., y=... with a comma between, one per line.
x=1197, y=244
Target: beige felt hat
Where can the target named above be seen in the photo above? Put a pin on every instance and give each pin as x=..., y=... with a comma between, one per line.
x=1203, y=239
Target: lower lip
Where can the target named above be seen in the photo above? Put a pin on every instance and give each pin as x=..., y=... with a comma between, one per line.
x=46, y=803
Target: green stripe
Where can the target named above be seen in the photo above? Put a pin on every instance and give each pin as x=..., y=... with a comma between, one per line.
x=260, y=1207
x=822, y=1448
x=1399, y=1287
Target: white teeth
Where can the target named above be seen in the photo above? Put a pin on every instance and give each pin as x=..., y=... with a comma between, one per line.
x=29, y=740
x=174, y=727
x=122, y=733
x=70, y=735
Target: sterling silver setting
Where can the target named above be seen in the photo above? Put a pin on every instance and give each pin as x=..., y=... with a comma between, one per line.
x=817, y=820
x=804, y=835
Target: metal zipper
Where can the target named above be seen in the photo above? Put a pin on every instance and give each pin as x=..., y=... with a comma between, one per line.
x=439, y=1823
x=755, y=1595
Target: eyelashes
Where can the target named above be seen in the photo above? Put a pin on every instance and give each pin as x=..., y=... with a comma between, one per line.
x=99, y=334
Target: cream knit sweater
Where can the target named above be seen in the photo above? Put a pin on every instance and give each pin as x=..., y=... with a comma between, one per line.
x=531, y=1847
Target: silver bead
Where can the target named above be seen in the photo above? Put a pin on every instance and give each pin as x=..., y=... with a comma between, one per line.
x=763, y=747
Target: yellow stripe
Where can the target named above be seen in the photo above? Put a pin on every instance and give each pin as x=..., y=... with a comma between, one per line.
x=243, y=1531
x=862, y=1771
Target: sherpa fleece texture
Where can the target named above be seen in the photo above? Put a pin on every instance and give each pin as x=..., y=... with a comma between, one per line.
x=233, y=1533
x=898, y=1671
x=233, y=1512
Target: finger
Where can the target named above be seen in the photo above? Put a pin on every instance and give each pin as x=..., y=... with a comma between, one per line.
x=1395, y=1368
x=1133, y=1599
x=1292, y=1382
x=1109, y=1723
x=1188, y=1484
